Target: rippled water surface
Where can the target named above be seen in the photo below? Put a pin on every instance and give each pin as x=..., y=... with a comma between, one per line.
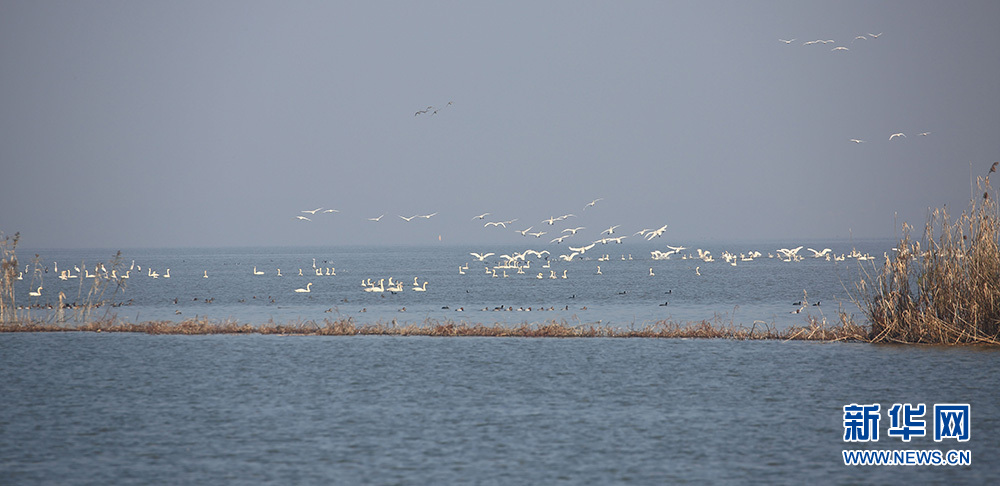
x=141, y=409
x=764, y=290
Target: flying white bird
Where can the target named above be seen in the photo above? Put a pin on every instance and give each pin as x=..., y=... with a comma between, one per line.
x=408, y=219
x=495, y=223
x=874, y=36
x=786, y=41
x=303, y=218
x=481, y=216
x=559, y=239
x=331, y=211
x=924, y=134
x=573, y=230
x=655, y=233
x=840, y=48
x=313, y=211
x=483, y=256
x=524, y=231
x=426, y=216
x=376, y=219
x=894, y=135
x=568, y=257
x=610, y=230
x=592, y=203
x=819, y=254
x=856, y=140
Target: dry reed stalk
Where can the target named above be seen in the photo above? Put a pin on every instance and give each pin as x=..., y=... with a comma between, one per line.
x=8, y=275
x=948, y=293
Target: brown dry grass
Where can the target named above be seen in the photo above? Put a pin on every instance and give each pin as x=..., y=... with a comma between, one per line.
x=815, y=331
x=944, y=289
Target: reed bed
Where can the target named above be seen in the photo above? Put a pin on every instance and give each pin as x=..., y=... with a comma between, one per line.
x=945, y=288
x=815, y=331
x=8, y=274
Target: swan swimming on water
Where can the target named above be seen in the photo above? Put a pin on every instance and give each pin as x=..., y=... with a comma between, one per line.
x=305, y=290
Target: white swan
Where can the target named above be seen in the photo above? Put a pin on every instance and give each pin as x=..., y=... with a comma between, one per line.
x=203, y=276
x=303, y=218
x=305, y=290
x=167, y=275
x=651, y=274
x=421, y=289
x=894, y=135
x=656, y=233
x=373, y=288
x=376, y=219
x=483, y=256
x=592, y=203
x=36, y=293
x=255, y=272
x=819, y=254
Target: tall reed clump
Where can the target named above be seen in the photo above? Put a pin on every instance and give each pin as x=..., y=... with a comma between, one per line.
x=946, y=292
x=8, y=275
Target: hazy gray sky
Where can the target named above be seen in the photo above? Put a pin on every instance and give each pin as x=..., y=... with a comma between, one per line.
x=176, y=123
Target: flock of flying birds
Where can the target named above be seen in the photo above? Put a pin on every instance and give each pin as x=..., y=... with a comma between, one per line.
x=862, y=37
x=647, y=233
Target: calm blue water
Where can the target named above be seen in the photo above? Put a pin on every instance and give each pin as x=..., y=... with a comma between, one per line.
x=624, y=294
x=86, y=408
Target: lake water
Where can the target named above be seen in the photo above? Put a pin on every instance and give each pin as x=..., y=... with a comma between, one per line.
x=87, y=408
x=623, y=294
x=131, y=408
